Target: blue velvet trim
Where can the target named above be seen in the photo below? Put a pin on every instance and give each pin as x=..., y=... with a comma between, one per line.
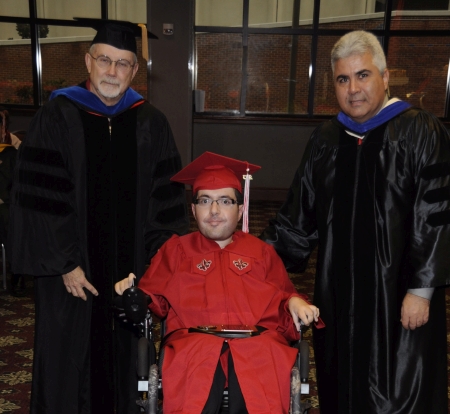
x=383, y=116
x=93, y=102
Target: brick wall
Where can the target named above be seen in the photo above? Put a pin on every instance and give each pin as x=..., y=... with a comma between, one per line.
x=62, y=65
x=418, y=68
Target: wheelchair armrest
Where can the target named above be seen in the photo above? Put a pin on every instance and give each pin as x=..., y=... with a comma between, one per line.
x=302, y=361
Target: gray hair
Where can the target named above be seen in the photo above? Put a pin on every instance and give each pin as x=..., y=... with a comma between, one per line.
x=359, y=42
x=93, y=48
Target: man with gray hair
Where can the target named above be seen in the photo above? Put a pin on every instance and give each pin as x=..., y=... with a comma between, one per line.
x=372, y=193
x=92, y=199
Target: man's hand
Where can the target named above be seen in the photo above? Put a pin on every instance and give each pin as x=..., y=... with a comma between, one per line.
x=75, y=281
x=124, y=284
x=415, y=311
x=301, y=310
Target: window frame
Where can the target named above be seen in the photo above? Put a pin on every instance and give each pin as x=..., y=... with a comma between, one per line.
x=36, y=62
x=386, y=34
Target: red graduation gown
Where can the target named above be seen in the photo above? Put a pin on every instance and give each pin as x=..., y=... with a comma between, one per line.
x=192, y=281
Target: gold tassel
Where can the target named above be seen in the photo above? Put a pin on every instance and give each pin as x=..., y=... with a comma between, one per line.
x=144, y=41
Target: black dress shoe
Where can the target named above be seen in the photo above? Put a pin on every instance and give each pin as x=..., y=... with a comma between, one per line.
x=18, y=291
x=17, y=285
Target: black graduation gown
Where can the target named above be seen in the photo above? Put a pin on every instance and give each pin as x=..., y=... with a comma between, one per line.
x=92, y=192
x=7, y=164
x=380, y=213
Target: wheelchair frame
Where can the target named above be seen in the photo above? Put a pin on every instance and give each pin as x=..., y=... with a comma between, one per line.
x=148, y=365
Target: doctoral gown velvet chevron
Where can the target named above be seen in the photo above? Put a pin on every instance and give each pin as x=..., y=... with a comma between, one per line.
x=380, y=214
x=90, y=191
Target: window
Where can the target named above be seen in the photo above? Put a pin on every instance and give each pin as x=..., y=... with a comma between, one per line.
x=272, y=57
x=33, y=66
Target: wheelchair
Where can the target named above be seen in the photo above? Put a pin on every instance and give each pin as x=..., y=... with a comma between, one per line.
x=133, y=306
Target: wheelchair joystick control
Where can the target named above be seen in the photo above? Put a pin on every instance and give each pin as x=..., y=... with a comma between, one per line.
x=135, y=303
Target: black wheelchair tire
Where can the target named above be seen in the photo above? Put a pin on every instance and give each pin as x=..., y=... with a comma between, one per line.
x=295, y=406
x=153, y=383
x=151, y=353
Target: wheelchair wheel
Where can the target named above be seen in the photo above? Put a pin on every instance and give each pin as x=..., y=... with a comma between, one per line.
x=153, y=382
x=295, y=406
x=146, y=357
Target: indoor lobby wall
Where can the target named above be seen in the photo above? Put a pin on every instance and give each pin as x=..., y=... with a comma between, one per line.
x=276, y=148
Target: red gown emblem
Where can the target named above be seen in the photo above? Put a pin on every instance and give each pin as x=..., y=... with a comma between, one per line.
x=240, y=264
x=204, y=265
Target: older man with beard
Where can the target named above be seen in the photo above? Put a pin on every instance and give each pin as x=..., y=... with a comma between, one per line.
x=91, y=199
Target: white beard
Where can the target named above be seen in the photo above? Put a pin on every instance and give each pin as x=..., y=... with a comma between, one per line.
x=109, y=89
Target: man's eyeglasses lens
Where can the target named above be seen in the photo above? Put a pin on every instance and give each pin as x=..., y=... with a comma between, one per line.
x=104, y=62
x=222, y=202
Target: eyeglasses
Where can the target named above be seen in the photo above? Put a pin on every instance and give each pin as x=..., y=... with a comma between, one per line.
x=104, y=62
x=207, y=202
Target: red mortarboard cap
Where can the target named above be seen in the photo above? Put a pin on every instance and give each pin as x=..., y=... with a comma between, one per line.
x=118, y=33
x=212, y=171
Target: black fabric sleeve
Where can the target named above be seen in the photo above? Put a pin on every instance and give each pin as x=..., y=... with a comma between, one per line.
x=293, y=232
x=43, y=239
x=166, y=209
x=426, y=158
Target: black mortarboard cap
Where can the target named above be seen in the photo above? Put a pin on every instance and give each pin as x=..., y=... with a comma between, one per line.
x=118, y=33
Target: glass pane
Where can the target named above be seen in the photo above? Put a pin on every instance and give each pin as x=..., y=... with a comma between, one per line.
x=67, y=9
x=63, y=58
x=278, y=79
x=411, y=15
x=13, y=31
x=325, y=102
x=15, y=8
x=218, y=71
x=420, y=5
x=121, y=10
x=280, y=13
x=411, y=76
x=226, y=13
x=352, y=14
x=63, y=61
x=15, y=77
